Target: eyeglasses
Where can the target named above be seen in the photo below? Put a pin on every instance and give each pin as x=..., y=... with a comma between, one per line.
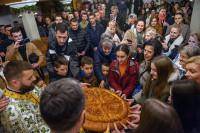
x=183, y=57
x=191, y=41
x=148, y=52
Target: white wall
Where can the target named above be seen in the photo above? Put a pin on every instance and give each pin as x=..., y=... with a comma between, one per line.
x=6, y=16
x=169, y=1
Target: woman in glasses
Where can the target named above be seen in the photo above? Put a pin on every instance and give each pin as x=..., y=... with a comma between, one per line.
x=194, y=39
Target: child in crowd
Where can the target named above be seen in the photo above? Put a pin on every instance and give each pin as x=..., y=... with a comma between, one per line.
x=123, y=73
x=60, y=64
x=40, y=83
x=105, y=66
x=87, y=72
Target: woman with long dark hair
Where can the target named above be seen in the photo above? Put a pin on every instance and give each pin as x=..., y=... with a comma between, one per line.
x=162, y=74
x=152, y=49
x=158, y=117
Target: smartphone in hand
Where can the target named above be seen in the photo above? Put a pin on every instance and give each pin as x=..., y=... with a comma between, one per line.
x=112, y=17
x=130, y=41
x=162, y=39
x=24, y=41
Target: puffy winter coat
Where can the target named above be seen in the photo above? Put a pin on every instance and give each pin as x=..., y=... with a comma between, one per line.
x=80, y=38
x=69, y=51
x=99, y=57
x=129, y=79
x=95, y=35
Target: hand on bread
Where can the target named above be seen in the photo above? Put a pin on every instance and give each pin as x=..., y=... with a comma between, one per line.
x=116, y=129
x=119, y=92
x=85, y=85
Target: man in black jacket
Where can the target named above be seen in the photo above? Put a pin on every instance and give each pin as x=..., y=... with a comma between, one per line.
x=79, y=37
x=62, y=45
x=94, y=29
x=5, y=43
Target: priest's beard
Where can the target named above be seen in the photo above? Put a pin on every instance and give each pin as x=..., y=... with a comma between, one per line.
x=25, y=88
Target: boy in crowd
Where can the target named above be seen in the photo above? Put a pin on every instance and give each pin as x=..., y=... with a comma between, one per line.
x=40, y=83
x=60, y=64
x=87, y=72
x=105, y=70
x=84, y=21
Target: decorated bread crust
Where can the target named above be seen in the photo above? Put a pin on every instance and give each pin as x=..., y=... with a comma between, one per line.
x=103, y=107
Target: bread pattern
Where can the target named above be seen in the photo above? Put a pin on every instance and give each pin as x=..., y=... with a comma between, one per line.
x=103, y=107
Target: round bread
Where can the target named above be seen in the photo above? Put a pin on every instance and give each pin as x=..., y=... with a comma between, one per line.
x=103, y=107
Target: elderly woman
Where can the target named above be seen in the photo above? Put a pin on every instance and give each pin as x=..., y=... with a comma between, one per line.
x=105, y=53
x=193, y=68
x=185, y=53
x=111, y=30
x=132, y=18
x=194, y=39
x=150, y=33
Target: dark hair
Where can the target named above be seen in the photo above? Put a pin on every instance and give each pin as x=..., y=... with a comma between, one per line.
x=86, y=60
x=1, y=26
x=158, y=117
x=82, y=10
x=71, y=13
x=107, y=64
x=179, y=14
x=123, y=47
x=62, y=27
x=153, y=9
x=73, y=20
x=96, y=11
x=139, y=20
x=15, y=22
x=92, y=14
x=47, y=17
x=14, y=69
x=14, y=30
x=61, y=104
x=177, y=3
x=59, y=60
x=39, y=15
x=58, y=16
x=185, y=96
x=38, y=79
x=84, y=14
x=156, y=45
x=151, y=19
x=76, y=11
x=8, y=26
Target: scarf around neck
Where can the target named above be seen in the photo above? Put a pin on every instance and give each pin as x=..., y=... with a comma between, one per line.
x=161, y=19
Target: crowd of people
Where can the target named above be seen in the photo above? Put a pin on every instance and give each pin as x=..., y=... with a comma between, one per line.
x=148, y=57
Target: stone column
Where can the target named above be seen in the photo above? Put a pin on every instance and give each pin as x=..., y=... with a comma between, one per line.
x=30, y=26
x=195, y=22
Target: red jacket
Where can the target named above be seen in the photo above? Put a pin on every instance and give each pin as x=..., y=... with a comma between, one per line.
x=128, y=81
